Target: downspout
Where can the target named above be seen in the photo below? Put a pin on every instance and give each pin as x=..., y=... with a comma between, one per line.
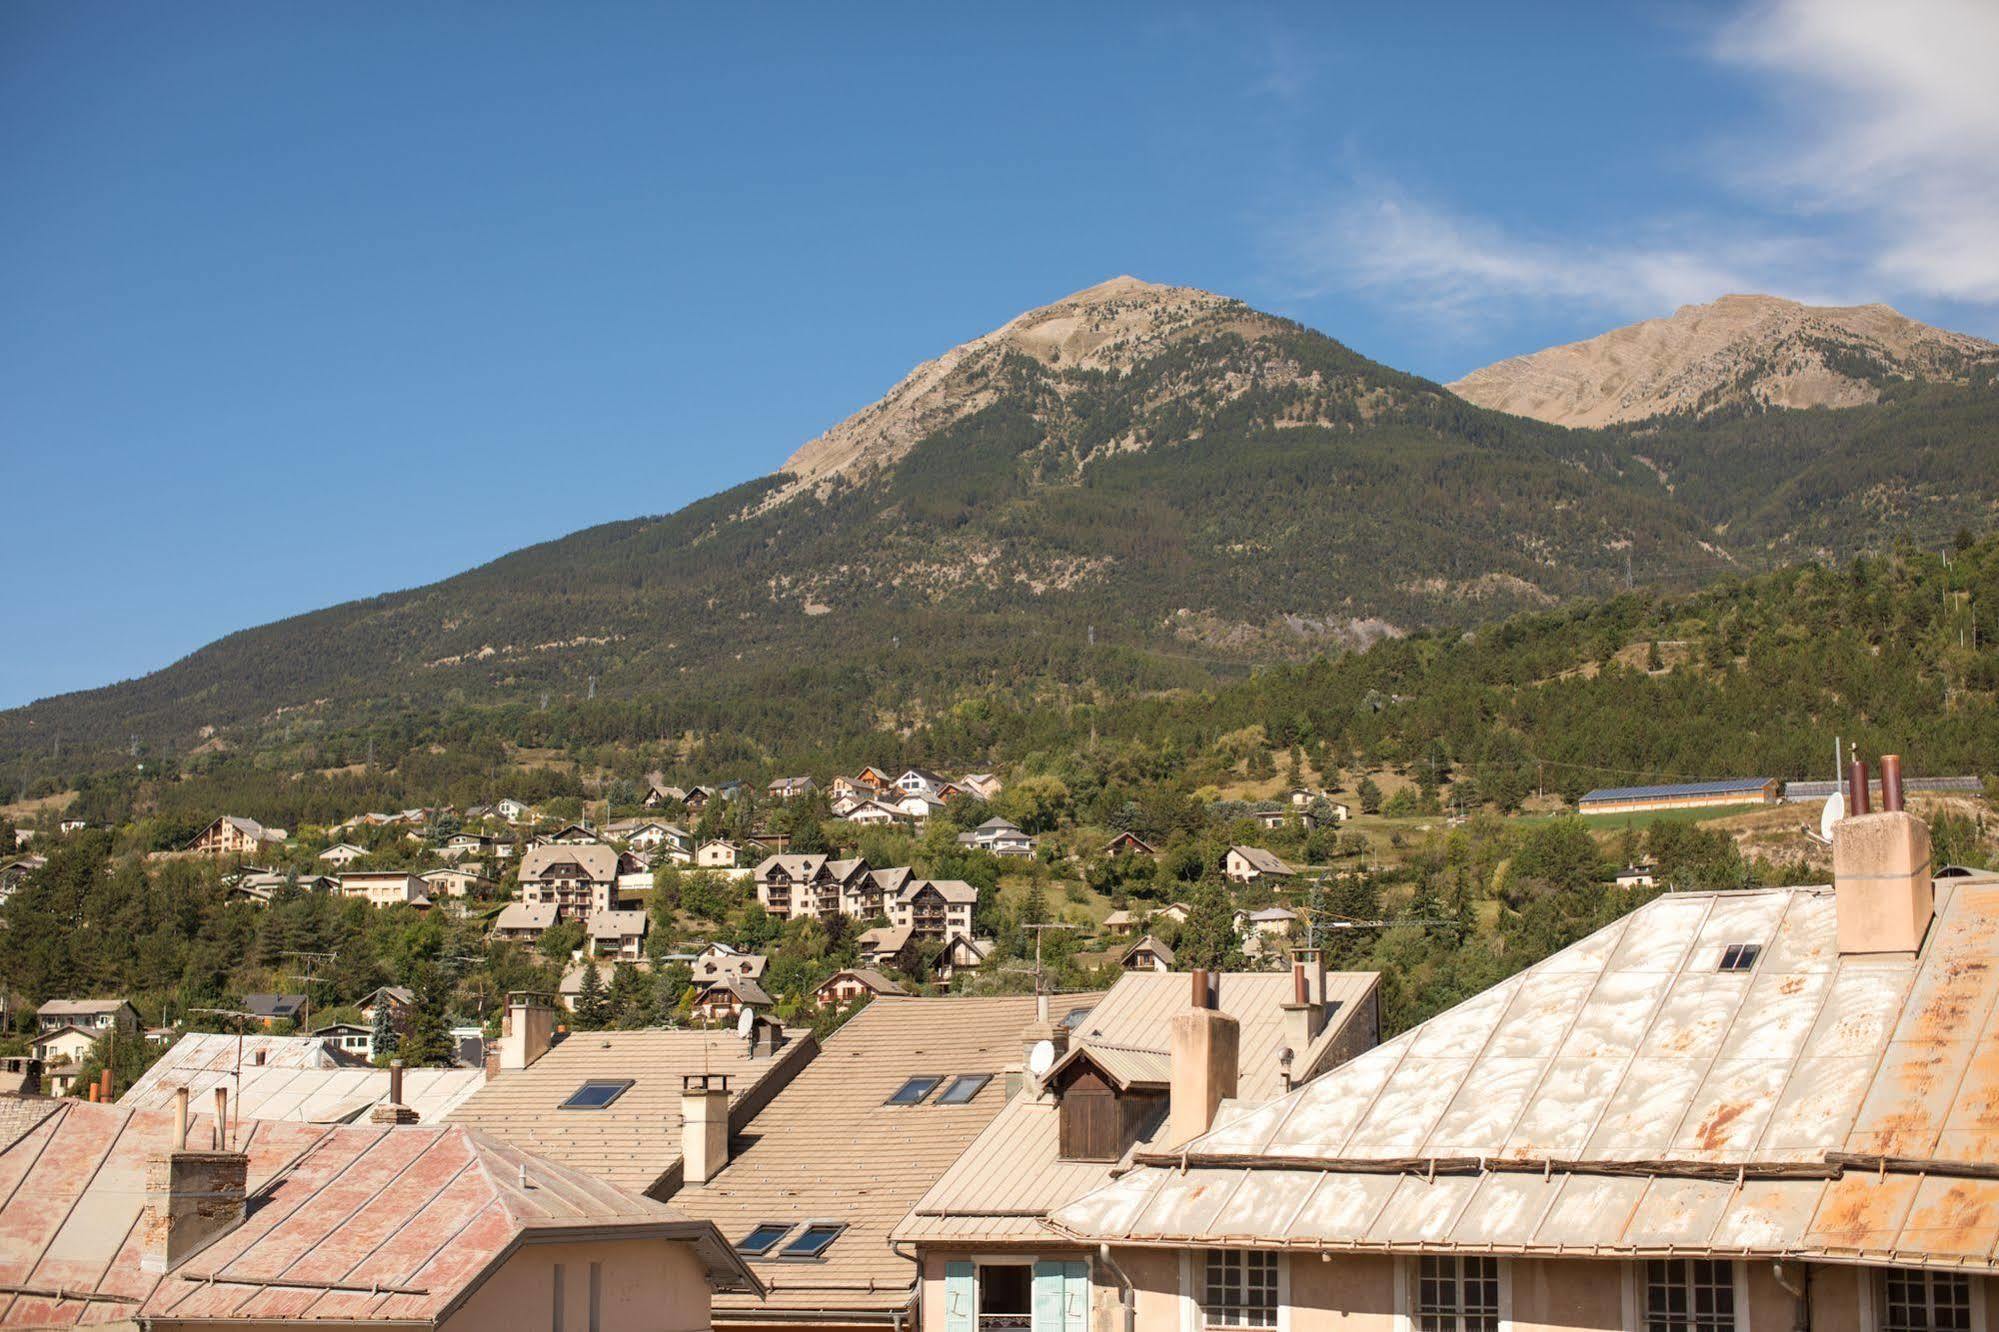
x=915, y=1290
x=1127, y=1293
x=1801, y=1293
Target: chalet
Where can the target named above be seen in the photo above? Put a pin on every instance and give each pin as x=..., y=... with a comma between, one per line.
x=1129, y=844
x=844, y=987
x=852, y=788
x=652, y=835
x=96, y=1016
x=342, y=854
x=455, y=881
x=1253, y=864
x=617, y=934
x=696, y=799
x=961, y=952
x=874, y=778
x=350, y=1038
x=887, y=946
x=920, y=781
x=400, y=1000
x=15, y=872
x=718, y=854
x=1265, y=930
x=935, y=909
x=980, y=785
x=1148, y=954
x=461, y=844
x=575, y=880
x=723, y=999
x=808, y=885
x=1121, y=922
x=513, y=811
x=72, y=825
x=874, y=814
x=1280, y=818
x=233, y=836
x=1000, y=837
x=524, y=922
x=790, y=788
x=573, y=834
x=916, y=806
x=659, y=794
x=385, y=888
x=1637, y=876
x=717, y=960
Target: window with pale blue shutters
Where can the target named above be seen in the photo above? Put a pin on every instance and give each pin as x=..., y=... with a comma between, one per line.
x=1061, y=1295
x=961, y=1298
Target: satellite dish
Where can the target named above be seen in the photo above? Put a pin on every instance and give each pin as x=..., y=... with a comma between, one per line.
x=1041, y=1058
x=1834, y=811
x=746, y=1022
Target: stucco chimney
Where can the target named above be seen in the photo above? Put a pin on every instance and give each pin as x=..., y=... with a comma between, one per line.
x=1305, y=1015
x=704, y=1126
x=1884, y=897
x=1205, y=1046
x=528, y=1031
x=192, y=1199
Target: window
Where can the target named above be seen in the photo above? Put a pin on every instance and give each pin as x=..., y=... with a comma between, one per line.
x=1239, y=1289
x=963, y=1088
x=1689, y=1295
x=1739, y=957
x=813, y=1240
x=1457, y=1294
x=761, y=1240
x=914, y=1090
x=1005, y=1295
x=1911, y=1301
x=595, y=1095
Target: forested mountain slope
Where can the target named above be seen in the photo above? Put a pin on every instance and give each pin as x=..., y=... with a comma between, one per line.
x=1136, y=488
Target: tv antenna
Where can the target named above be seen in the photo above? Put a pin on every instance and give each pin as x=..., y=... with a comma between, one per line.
x=310, y=960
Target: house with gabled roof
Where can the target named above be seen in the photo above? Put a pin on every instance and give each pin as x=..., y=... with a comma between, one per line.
x=790, y=788
x=1002, y=837
x=617, y=934
x=342, y=854
x=1147, y=954
x=1104, y=1091
x=844, y=987
x=1129, y=844
x=524, y=922
x=1766, y=1107
x=233, y=835
x=726, y=997
x=935, y=909
x=257, y=1223
x=1253, y=864
x=575, y=879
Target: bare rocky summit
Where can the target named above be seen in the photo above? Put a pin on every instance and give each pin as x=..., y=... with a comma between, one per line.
x=1739, y=350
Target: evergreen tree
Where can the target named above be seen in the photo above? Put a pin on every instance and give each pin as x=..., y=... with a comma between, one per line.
x=427, y=1041
x=1208, y=938
x=385, y=1037
x=1370, y=796
x=592, y=1007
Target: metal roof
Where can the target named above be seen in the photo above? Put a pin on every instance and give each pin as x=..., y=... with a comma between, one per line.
x=1727, y=786
x=351, y=1225
x=1820, y=790
x=1626, y=1097
x=297, y=1082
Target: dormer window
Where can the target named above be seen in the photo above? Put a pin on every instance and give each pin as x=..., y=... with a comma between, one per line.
x=1099, y=1115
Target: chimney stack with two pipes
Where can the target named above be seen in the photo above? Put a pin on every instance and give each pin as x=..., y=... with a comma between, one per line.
x=193, y=1197
x=1883, y=893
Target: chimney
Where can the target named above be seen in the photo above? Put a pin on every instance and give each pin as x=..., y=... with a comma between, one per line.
x=1204, y=1048
x=192, y=1199
x=1305, y=1015
x=1883, y=894
x=528, y=1031
x=219, y=1130
x=392, y=1111
x=704, y=1126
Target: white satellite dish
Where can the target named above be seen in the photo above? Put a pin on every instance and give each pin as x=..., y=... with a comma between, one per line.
x=1041, y=1058
x=746, y=1022
x=1834, y=811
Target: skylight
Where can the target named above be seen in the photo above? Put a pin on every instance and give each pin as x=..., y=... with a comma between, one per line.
x=764, y=1238
x=1739, y=957
x=813, y=1240
x=595, y=1094
x=963, y=1088
x=913, y=1091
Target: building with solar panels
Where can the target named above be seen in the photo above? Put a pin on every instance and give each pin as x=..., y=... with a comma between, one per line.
x=1680, y=795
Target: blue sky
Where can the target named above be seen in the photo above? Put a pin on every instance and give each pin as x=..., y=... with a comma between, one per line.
x=307, y=303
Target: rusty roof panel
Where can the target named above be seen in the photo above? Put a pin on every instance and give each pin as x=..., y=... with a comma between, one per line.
x=1766, y=1214
x=1953, y=1217
x=1862, y=1212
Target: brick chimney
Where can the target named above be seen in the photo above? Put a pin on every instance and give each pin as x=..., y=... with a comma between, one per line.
x=193, y=1198
x=527, y=1032
x=1881, y=870
x=1205, y=1045
x=704, y=1126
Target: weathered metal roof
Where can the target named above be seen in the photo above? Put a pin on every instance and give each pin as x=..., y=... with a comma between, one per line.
x=1726, y=786
x=1626, y=1096
x=347, y=1224
x=294, y=1083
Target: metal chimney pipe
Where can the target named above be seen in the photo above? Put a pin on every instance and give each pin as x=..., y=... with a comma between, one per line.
x=221, y=1117
x=1200, y=975
x=1301, y=989
x=1856, y=781
x=105, y=1094
x=180, y=1119
x=395, y=1082
x=1891, y=783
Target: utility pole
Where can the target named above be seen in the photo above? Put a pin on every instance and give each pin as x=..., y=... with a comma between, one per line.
x=1040, y=981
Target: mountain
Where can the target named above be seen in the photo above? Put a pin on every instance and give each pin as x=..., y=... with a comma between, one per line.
x=1738, y=351
x=1134, y=489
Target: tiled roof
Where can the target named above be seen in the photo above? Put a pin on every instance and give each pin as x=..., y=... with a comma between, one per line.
x=599, y=862
x=635, y=1141
x=1628, y=1096
x=525, y=916
x=1262, y=861
x=890, y=1155
x=79, y=1007
x=350, y=1224
x=295, y=1083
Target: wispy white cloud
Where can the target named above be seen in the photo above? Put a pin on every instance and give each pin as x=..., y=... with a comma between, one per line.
x=1894, y=121
x=1875, y=176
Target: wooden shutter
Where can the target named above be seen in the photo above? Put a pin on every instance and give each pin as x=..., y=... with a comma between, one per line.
x=960, y=1297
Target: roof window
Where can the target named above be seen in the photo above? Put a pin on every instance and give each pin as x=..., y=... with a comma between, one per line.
x=1739, y=957
x=963, y=1088
x=913, y=1091
x=764, y=1238
x=596, y=1094
x=813, y=1240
